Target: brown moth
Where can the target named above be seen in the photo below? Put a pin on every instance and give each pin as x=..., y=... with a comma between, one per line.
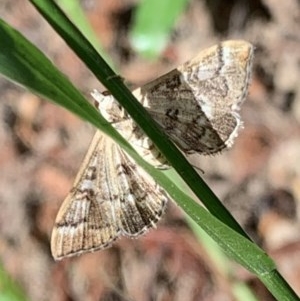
x=197, y=105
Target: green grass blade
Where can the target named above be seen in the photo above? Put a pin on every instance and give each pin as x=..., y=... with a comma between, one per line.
x=9, y=290
x=22, y=62
x=152, y=24
x=74, y=11
x=115, y=85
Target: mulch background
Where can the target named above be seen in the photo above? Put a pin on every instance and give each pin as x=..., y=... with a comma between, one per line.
x=42, y=146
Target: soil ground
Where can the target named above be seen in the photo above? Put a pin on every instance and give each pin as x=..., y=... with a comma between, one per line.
x=42, y=146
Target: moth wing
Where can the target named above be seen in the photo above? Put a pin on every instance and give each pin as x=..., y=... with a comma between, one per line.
x=197, y=104
x=111, y=196
x=141, y=201
x=86, y=221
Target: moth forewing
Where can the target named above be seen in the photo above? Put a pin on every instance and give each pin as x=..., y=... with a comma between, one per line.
x=72, y=233
x=111, y=196
x=197, y=104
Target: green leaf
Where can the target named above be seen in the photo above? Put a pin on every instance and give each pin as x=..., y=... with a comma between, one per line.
x=153, y=23
x=23, y=63
x=9, y=290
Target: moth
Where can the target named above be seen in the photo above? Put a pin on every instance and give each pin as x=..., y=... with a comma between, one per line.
x=197, y=105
